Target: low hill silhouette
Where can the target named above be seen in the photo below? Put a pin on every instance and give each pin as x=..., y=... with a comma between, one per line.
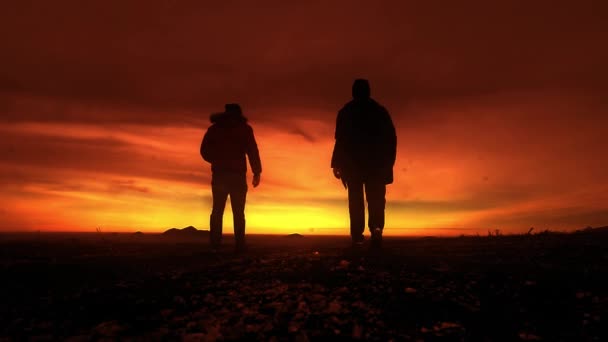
x=189, y=231
x=592, y=230
x=295, y=236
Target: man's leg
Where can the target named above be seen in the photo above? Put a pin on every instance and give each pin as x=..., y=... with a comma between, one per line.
x=375, y=192
x=356, y=209
x=220, y=195
x=238, y=197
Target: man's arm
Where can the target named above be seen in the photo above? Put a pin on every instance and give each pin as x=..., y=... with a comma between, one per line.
x=207, y=146
x=391, y=143
x=337, y=158
x=253, y=154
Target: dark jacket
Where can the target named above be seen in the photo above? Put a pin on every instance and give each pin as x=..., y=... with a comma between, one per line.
x=227, y=142
x=366, y=142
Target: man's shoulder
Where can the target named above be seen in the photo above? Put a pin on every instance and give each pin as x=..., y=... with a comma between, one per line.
x=377, y=105
x=211, y=128
x=242, y=128
x=247, y=127
x=380, y=109
x=348, y=106
x=362, y=105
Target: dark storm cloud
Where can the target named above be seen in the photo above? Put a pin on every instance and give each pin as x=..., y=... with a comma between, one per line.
x=190, y=57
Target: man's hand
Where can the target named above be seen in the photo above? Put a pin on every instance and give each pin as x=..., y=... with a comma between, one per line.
x=337, y=173
x=256, y=180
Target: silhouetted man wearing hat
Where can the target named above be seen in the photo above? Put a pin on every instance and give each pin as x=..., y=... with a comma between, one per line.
x=225, y=145
x=363, y=157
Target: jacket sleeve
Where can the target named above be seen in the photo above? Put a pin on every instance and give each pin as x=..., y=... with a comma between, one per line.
x=207, y=146
x=337, y=157
x=391, y=139
x=253, y=154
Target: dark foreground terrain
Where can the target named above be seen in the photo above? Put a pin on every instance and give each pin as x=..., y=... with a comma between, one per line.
x=141, y=287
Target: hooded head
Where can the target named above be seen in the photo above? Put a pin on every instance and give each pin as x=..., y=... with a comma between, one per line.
x=233, y=109
x=232, y=112
x=361, y=89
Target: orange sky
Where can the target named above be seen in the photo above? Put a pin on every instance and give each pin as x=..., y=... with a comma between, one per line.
x=500, y=112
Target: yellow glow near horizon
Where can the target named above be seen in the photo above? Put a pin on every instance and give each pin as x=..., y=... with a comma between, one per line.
x=150, y=182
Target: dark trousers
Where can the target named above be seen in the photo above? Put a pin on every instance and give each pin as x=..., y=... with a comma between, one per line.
x=375, y=192
x=222, y=185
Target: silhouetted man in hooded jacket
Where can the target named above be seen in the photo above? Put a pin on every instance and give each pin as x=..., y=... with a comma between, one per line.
x=225, y=145
x=363, y=157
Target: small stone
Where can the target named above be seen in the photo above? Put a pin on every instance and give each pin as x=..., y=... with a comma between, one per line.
x=109, y=329
x=357, y=332
x=195, y=337
x=526, y=336
x=334, y=307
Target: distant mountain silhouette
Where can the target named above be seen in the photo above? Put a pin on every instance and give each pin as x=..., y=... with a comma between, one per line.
x=295, y=235
x=138, y=233
x=187, y=231
x=591, y=230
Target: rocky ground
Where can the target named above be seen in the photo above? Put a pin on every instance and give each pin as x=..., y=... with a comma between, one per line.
x=549, y=287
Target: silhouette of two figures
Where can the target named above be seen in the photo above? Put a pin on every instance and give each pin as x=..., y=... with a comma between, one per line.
x=363, y=158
